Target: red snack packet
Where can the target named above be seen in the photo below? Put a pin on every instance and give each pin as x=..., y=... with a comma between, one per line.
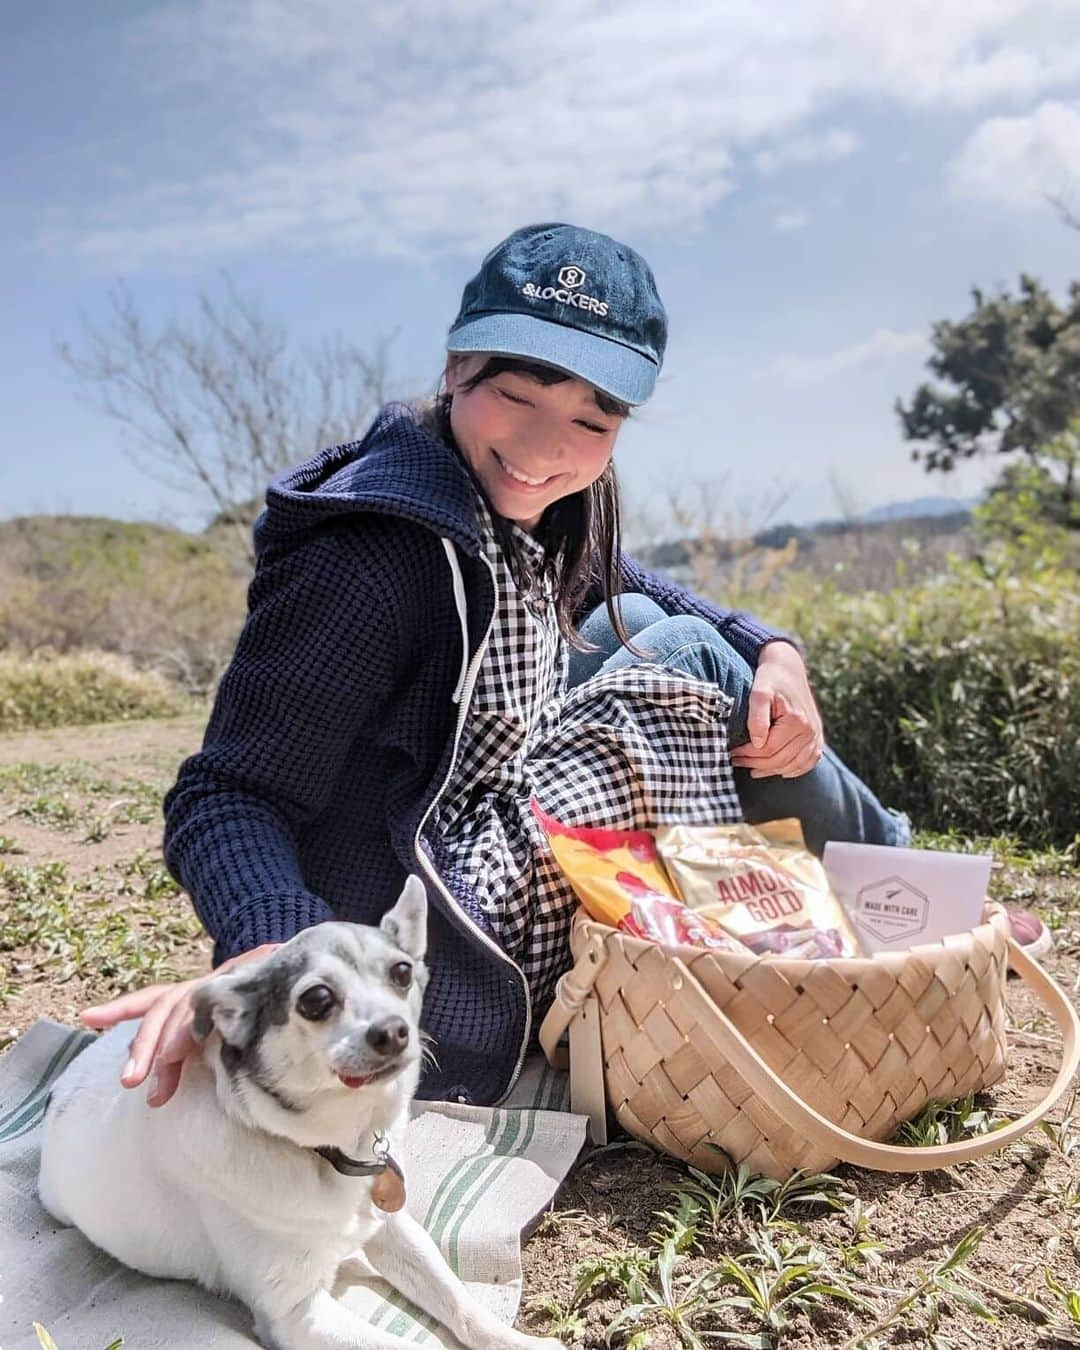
x=619, y=878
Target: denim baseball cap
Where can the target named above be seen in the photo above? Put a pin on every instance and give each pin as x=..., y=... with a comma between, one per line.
x=569, y=298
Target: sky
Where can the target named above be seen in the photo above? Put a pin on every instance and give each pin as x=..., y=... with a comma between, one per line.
x=814, y=183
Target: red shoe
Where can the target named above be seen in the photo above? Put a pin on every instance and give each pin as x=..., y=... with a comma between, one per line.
x=1029, y=932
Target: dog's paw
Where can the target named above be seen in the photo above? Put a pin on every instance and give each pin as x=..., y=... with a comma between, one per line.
x=490, y=1334
x=523, y=1341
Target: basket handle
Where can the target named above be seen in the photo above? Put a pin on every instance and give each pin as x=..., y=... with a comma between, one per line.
x=570, y=993
x=796, y=1113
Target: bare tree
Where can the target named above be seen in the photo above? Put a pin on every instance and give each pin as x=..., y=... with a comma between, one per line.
x=217, y=406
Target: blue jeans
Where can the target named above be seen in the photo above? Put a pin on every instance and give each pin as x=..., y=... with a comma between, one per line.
x=830, y=801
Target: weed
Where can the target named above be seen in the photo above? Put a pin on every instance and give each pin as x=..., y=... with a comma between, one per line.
x=682, y=1301
x=563, y=1323
x=71, y=926
x=942, y=1281
x=9, y=845
x=1069, y=1298
x=778, y=1279
x=623, y=1271
x=679, y=1226
x=1062, y=1134
x=863, y=1250
x=738, y=1192
x=52, y=812
x=944, y=1122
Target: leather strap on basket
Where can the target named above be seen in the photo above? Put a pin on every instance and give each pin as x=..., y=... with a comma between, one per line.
x=570, y=993
x=762, y=1080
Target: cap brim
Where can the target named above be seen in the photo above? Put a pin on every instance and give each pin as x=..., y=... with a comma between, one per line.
x=617, y=370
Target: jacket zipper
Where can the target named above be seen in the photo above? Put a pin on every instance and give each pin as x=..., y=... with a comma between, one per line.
x=470, y=670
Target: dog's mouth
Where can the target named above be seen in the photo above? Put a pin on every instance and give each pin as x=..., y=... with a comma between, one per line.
x=359, y=1080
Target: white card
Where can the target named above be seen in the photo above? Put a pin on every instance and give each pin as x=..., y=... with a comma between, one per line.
x=903, y=897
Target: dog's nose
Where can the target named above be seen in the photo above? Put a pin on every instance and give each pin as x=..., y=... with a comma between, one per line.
x=388, y=1036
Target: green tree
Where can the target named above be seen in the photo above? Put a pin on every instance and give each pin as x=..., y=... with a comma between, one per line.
x=1008, y=382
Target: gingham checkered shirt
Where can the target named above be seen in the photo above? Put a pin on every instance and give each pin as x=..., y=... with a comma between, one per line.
x=629, y=749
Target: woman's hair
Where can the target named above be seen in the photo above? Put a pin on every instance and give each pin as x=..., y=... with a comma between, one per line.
x=580, y=534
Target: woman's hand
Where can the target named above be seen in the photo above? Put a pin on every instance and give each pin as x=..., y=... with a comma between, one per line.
x=786, y=735
x=164, y=1040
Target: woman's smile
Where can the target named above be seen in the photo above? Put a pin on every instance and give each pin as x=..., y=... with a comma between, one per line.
x=519, y=478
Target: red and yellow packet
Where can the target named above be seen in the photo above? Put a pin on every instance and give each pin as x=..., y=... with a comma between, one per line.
x=618, y=877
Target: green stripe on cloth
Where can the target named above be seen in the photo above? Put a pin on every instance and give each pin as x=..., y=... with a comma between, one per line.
x=26, y=1114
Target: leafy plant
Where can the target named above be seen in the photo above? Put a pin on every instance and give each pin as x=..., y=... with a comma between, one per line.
x=944, y=1280
x=1070, y=1298
x=564, y=1323
x=863, y=1249
x=778, y=1279
x=682, y=1301
x=738, y=1191
x=944, y=1122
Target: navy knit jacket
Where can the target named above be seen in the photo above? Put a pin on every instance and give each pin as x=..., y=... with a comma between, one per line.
x=333, y=731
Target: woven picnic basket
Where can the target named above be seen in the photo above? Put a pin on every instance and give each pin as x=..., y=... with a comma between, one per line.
x=722, y=1058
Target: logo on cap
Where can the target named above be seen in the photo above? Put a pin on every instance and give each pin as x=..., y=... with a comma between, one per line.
x=567, y=292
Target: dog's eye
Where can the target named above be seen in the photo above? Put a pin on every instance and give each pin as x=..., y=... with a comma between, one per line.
x=401, y=974
x=316, y=1003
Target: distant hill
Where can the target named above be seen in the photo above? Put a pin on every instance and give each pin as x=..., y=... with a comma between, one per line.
x=919, y=508
x=866, y=553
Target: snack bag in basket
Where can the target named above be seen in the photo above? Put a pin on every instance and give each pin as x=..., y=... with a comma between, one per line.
x=760, y=884
x=618, y=877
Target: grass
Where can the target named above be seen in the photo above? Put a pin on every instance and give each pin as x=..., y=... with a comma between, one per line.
x=124, y=926
x=76, y=796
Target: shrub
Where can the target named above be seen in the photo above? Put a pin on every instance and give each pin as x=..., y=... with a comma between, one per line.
x=47, y=690
x=957, y=700
x=169, y=601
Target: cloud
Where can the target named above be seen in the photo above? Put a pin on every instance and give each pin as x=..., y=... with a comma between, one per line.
x=1019, y=161
x=400, y=127
x=883, y=345
x=808, y=149
x=791, y=220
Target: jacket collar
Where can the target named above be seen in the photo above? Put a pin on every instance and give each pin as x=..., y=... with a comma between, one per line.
x=396, y=469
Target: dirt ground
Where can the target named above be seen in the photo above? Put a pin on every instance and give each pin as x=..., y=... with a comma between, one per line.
x=88, y=911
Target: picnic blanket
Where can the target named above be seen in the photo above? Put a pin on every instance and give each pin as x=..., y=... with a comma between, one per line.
x=477, y=1177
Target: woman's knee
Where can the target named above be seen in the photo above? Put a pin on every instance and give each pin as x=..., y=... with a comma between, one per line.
x=686, y=639
x=635, y=611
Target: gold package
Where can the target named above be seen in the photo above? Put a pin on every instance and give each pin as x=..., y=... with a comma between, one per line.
x=761, y=884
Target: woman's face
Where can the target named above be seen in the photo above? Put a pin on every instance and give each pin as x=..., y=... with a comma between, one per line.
x=511, y=428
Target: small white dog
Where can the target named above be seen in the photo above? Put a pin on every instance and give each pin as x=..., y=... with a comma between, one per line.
x=270, y=1175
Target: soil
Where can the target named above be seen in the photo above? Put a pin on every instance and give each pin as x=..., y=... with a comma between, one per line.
x=1028, y=1197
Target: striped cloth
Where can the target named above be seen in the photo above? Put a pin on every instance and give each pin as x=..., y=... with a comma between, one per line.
x=476, y=1177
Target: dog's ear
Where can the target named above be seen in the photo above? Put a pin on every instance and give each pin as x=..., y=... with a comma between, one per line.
x=406, y=924
x=229, y=1002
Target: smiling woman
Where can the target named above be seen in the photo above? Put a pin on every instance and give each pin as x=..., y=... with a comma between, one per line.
x=442, y=627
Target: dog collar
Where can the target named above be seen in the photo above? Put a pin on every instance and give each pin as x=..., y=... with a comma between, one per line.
x=355, y=1167
x=388, y=1190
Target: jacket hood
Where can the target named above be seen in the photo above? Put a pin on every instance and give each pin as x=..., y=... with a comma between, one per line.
x=396, y=469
